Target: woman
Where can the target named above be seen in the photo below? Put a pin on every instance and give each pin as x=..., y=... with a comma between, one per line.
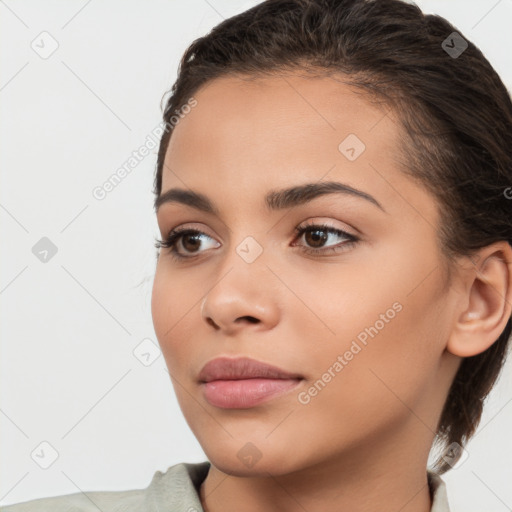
x=333, y=290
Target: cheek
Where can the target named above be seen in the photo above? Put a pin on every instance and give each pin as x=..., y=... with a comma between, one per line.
x=161, y=304
x=359, y=389
x=386, y=322
x=174, y=296
x=331, y=306
x=170, y=303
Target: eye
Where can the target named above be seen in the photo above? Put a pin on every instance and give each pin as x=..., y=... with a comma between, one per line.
x=188, y=239
x=316, y=235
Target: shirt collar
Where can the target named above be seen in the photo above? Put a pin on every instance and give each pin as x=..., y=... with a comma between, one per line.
x=438, y=493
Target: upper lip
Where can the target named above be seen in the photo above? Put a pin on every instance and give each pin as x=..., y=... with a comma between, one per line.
x=225, y=368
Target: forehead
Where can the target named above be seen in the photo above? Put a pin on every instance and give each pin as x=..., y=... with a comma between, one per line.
x=272, y=132
x=284, y=112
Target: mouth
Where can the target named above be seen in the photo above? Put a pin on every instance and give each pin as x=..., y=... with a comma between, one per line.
x=243, y=383
x=245, y=393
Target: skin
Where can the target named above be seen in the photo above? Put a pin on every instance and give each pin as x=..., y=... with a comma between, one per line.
x=363, y=441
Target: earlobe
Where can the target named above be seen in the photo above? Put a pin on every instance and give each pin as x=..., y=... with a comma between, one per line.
x=488, y=302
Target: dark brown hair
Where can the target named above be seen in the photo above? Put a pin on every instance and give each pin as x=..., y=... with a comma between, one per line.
x=455, y=115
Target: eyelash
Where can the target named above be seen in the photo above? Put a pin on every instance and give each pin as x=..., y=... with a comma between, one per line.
x=175, y=234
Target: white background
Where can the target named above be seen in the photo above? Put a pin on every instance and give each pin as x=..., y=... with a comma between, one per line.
x=69, y=326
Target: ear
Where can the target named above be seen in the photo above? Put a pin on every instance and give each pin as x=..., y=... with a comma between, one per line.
x=487, y=304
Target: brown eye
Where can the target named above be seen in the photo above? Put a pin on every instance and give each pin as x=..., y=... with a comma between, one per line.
x=190, y=242
x=186, y=240
x=316, y=238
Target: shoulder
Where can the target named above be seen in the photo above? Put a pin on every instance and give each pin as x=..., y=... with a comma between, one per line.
x=106, y=501
x=176, y=487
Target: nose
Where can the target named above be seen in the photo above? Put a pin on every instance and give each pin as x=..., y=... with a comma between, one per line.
x=239, y=302
x=246, y=318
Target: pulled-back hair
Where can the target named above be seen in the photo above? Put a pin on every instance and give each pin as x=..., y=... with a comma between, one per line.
x=454, y=110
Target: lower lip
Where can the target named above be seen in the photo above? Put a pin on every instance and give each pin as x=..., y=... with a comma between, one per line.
x=245, y=393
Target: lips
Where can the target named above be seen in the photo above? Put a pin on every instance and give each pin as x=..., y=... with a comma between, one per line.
x=243, y=383
x=224, y=368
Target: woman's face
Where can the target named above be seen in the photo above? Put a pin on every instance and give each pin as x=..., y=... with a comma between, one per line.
x=364, y=321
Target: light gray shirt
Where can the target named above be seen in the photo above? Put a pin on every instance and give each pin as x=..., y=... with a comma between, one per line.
x=176, y=490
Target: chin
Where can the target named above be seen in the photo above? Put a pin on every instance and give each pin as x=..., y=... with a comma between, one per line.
x=234, y=467
x=245, y=458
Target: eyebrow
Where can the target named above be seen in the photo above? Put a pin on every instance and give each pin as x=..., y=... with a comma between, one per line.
x=274, y=200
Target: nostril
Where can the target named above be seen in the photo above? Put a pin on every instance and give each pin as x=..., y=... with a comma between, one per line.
x=212, y=323
x=251, y=319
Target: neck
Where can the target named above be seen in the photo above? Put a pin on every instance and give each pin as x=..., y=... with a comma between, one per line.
x=367, y=482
